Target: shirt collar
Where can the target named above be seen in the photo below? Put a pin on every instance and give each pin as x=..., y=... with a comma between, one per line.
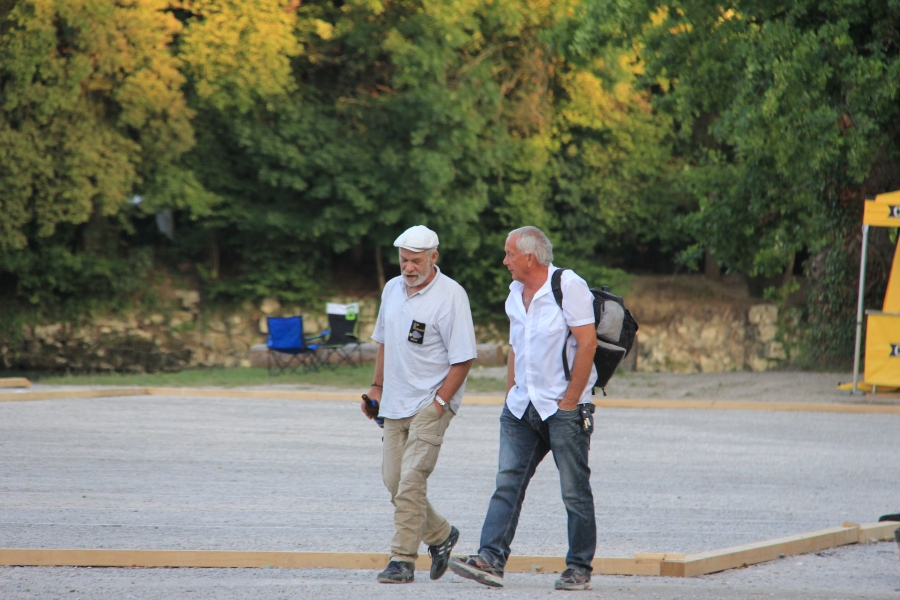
x=518, y=286
x=544, y=289
x=427, y=287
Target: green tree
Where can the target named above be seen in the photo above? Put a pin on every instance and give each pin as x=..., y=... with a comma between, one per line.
x=787, y=116
x=91, y=113
x=454, y=114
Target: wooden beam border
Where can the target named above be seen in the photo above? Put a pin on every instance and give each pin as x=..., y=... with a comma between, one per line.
x=656, y=564
x=735, y=557
x=84, y=394
x=14, y=382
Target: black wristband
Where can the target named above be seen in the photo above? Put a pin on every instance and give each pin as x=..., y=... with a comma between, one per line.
x=377, y=385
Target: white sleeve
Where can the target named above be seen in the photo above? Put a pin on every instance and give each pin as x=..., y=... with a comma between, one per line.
x=378, y=334
x=459, y=330
x=578, y=301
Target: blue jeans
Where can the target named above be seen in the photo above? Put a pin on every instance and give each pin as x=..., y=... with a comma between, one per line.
x=523, y=444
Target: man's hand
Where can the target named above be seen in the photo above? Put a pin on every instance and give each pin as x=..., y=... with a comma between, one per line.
x=374, y=394
x=586, y=338
x=375, y=389
x=452, y=383
x=565, y=404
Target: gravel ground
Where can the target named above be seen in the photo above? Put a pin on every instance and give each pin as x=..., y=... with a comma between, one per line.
x=180, y=473
x=742, y=385
x=760, y=387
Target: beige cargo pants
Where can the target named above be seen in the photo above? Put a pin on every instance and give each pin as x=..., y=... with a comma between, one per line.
x=411, y=448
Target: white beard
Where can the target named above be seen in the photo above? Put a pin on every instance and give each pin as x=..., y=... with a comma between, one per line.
x=418, y=281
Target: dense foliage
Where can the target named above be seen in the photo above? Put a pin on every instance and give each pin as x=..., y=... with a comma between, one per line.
x=293, y=141
x=788, y=116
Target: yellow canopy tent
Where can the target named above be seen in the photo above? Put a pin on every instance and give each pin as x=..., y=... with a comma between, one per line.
x=883, y=326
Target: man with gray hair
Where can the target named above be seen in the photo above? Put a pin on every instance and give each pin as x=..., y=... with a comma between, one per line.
x=426, y=345
x=544, y=411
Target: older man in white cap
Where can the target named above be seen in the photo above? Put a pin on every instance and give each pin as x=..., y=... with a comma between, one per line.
x=426, y=346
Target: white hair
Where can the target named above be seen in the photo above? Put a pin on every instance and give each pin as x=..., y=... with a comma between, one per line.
x=531, y=240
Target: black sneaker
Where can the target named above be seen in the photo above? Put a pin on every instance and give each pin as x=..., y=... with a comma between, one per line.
x=476, y=568
x=573, y=579
x=440, y=554
x=398, y=572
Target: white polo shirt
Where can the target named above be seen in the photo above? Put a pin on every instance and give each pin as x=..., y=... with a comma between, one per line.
x=423, y=335
x=537, y=336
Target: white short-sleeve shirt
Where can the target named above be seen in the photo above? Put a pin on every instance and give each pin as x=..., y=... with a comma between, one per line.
x=423, y=334
x=537, y=337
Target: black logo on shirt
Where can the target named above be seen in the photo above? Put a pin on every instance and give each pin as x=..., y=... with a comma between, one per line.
x=895, y=350
x=417, y=333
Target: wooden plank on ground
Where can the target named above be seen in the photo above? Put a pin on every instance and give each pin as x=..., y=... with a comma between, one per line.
x=14, y=382
x=748, y=405
x=44, y=557
x=535, y=564
x=649, y=564
x=255, y=394
x=627, y=566
x=695, y=565
x=878, y=532
x=605, y=566
x=72, y=394
x=191, y=558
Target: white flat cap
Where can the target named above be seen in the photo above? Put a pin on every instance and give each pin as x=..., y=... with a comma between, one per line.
x=417, y=238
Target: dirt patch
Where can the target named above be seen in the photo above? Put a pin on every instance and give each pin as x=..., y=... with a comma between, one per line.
x=656, y=299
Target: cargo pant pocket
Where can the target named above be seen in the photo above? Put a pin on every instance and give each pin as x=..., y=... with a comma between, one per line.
x=427, y=448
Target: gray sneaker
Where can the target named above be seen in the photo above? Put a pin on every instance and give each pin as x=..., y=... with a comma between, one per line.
x=398, y=572
x=573, y=579
x=476, y=568
x=440, y=554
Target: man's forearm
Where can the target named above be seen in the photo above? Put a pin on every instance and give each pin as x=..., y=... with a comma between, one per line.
x=581, y=367
x=581, y=370
x=454, y=379
x=377, y=381
x=379, y=366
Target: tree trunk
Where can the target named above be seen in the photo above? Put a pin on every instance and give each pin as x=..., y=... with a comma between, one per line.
x=789, y=271
x=710, y=266
x=214, y=254
x=379, y=267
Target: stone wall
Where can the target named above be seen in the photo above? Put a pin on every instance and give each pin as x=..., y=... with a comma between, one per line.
x=726, y=340
x=168, y=338
x=690, y=325
x=684, y=327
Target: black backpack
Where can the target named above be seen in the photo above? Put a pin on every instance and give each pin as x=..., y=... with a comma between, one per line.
x=615, y=326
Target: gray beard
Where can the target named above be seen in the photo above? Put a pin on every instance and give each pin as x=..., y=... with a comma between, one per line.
x=419, y=281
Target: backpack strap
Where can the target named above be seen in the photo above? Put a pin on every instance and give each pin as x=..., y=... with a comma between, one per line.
x=556, y=287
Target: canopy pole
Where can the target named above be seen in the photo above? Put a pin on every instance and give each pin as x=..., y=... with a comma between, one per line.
x=859, y=304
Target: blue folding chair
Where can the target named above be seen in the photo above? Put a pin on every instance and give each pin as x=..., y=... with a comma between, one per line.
x=288, y=348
